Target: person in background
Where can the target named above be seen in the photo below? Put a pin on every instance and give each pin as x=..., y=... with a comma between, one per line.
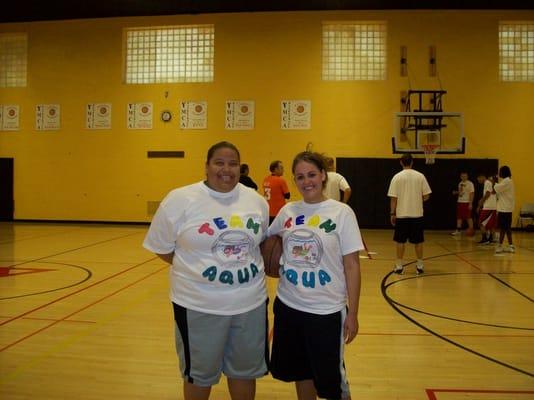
x=505, y=191
x=275, y=189
x=464, y=205
x=479, y=193
x=336, y=183
x=245, y=179
x=407, y=191
x=210, y=232
x=486, y=209
x=317, y=299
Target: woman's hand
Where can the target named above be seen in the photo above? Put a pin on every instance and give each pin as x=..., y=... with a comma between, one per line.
x=350, y=327
x=351, y=264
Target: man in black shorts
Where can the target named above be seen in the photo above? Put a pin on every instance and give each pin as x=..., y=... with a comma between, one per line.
x=407, y=192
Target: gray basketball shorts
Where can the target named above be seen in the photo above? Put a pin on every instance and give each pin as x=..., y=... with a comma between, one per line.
x=208, y=345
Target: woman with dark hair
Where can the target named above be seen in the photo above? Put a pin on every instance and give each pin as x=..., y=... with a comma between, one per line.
x=505, y=206
x=245, y=179
x=316, y=305
x=210, y=233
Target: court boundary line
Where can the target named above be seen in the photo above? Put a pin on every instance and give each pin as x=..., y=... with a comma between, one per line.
x=71, y=250
x=75, y=292
x=84, y=307
x=458, y=254
x=88, y=276
x=431, y=393
x=54, y=319
x=445, y=317
x=72, y=338
x=511, y=287
x=390, y=301
x=40, y=236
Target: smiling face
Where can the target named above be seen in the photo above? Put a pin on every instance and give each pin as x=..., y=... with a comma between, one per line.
x=222, y=170
x=309, y=180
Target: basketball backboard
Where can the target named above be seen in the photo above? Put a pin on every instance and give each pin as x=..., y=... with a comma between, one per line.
x=414, y=130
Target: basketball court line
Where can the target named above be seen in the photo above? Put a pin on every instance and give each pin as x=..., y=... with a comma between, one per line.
x=396, y=306
x=76, y=292
x=445, y=334
x=81, y=309
x=413, y=321
x=511, y=287
x=52, y=319
x=443, y=316
x=40, y=236
x=73, y=338
x=458, y=254
x=431, y=393
x=461, y=258
x=71, y=250
x=393, y=304
x=88, y=276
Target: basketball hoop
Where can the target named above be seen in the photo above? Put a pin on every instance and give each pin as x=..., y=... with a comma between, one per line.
x=430, y=151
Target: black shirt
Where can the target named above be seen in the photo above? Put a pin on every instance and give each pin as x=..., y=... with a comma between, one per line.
x=247, y=181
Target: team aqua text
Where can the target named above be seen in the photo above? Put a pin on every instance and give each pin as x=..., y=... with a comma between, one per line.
x=234, y=222
x=229, y=277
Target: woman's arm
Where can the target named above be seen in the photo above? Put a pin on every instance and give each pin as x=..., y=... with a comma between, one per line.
x=351, y=264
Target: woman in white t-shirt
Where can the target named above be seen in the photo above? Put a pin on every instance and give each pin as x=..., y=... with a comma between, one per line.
x=210, y=233
x=505, y=191
x=316, y=305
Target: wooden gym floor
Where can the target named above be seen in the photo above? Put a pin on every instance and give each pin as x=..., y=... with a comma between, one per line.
x=84, y=314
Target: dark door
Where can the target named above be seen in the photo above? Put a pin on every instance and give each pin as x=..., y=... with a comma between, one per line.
x=369, y=179
x=6, y=189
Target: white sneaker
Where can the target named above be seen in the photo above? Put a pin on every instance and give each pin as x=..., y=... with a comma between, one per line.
x=399, y=269
x=498, y=249
x=510, y=249
x=419, y=269
x=456, y=233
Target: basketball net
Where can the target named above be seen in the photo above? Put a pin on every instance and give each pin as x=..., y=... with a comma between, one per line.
x=430, y=152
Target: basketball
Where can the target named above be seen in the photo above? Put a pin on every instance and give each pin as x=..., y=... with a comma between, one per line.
x=470, y=232
x=271, y=251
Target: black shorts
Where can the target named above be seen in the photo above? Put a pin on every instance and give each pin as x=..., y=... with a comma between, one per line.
x=409, y=229
x=504, y=220
x=309, y=347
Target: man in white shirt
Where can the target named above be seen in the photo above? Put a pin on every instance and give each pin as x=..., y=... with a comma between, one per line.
x=505, y=191
x=336, y=183
x=407, y=192
x=464, y=206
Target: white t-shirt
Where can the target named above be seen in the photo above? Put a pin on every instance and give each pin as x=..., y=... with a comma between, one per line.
x=491, y=201
x=315, y=239
x=505, y=195
x=217, y=266
x=464, y=190
x=409, y=186
x=334, y=184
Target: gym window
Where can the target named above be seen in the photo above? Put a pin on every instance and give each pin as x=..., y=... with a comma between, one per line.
x=516, y=51
x=13, y=59
x=169, y=54
x=354, y=50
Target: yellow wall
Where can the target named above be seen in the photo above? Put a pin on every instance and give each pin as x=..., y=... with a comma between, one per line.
x=77, y=174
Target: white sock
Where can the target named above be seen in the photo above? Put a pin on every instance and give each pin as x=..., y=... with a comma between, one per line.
x=398, y=262
x=419, y=262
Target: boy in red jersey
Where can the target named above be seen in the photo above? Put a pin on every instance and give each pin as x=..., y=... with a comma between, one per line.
x=275, y=189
